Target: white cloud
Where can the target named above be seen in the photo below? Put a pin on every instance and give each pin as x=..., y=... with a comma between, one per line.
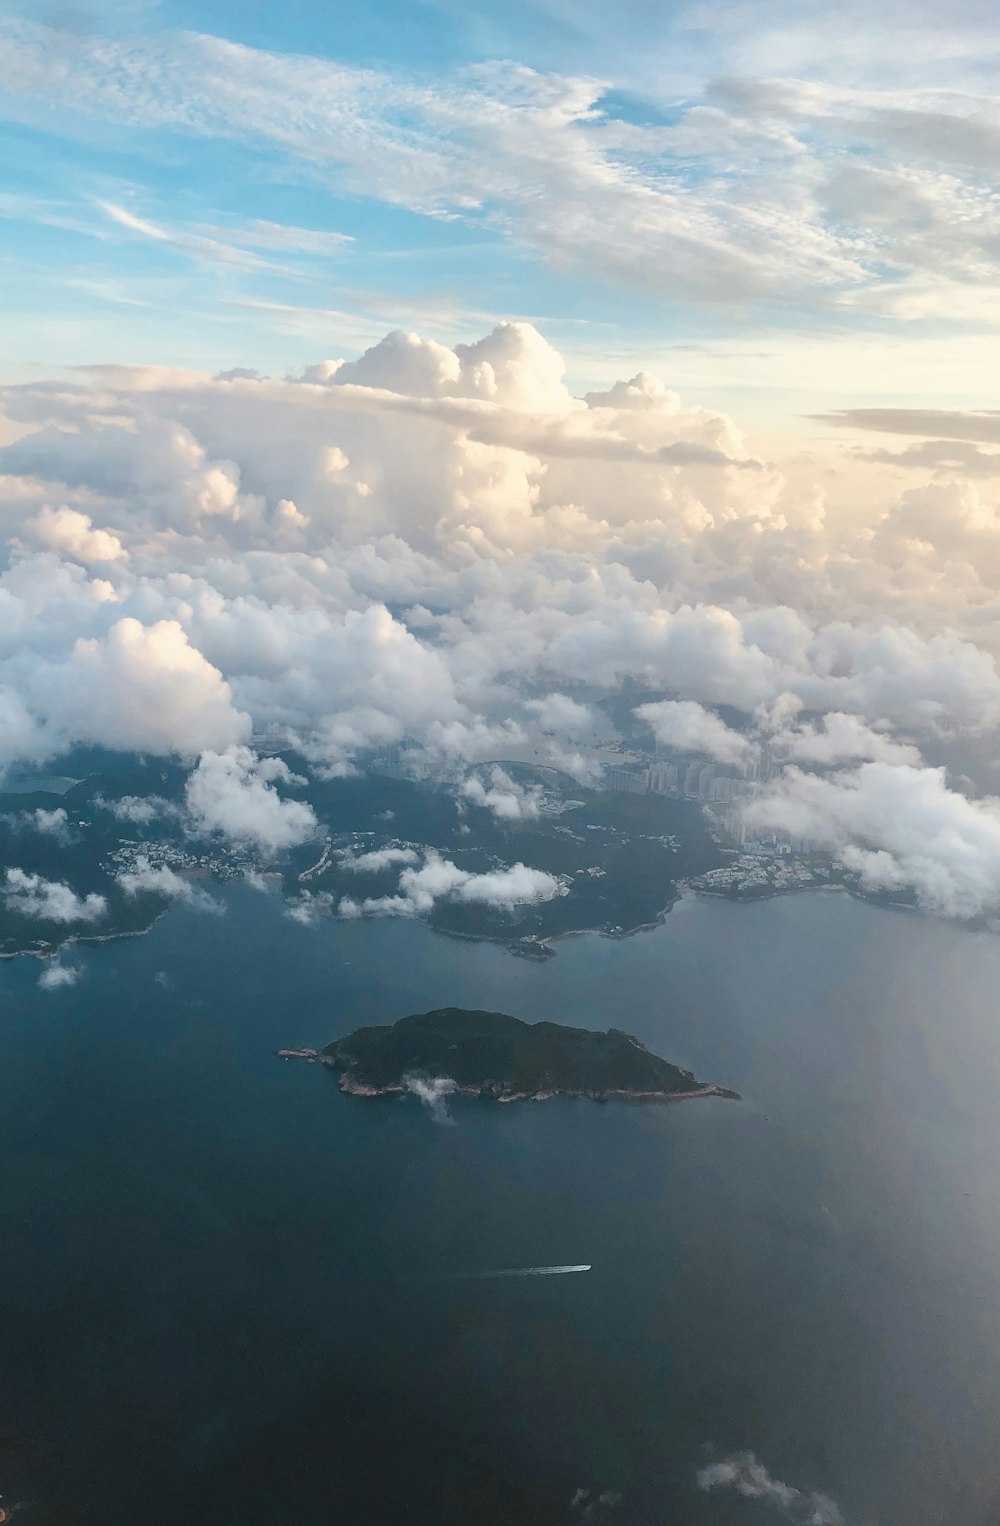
x=49, y=900
x=139, y=810
x=146, y=879
x=284, y=238
x=54, y=823
x=559, y=713
x=218, y=246
x=745, y=192
x=433, y=1093
x=58, y=977
x=896, y=826
x=439, y=878
x=234, y=793
x=72, y=534
x=743, y=1473
x=840, y=738
x=140, y=687
x=474, y=559
x=689, y=726
x=309, y=906
x=505, y=888
x=377, y=860
x=501, y=795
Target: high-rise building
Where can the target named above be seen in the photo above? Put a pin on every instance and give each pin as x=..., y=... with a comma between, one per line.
x=625, y=782
x=663, y=778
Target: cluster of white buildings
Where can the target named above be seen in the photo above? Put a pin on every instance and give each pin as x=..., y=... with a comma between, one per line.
x=758, y=874
x=224, y=862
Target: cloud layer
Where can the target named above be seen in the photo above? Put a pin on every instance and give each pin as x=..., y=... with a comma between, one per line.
x=444, y=555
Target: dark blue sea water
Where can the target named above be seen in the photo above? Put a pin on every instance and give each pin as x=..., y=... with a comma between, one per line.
x=230, y=1294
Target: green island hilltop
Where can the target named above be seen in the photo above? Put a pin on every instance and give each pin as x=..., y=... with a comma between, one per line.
x=495, y=1056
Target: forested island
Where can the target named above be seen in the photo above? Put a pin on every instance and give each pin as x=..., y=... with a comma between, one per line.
x=502, y=1058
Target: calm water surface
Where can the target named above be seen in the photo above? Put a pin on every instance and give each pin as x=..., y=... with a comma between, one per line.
x=230, y=1294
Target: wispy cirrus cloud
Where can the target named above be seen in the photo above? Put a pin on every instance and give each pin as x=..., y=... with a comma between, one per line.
x=746, y=194
x=237, y=246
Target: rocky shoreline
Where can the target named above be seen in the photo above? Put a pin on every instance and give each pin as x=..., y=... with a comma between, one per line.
x=492, y=1056
x=354, y=1088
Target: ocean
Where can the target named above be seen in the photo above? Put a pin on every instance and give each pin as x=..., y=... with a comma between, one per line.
x=230, y=1293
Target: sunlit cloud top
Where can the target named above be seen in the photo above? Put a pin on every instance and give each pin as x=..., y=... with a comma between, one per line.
x=413, y=378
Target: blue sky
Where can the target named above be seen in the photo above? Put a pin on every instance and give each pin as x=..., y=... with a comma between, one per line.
x=754, y=204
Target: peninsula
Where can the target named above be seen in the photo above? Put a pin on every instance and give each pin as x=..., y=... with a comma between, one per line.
x=501, y=1058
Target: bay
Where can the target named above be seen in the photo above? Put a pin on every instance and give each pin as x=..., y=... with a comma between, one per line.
x=230, y=1293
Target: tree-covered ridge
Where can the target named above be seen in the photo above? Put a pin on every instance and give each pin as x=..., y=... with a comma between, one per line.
x=501, y=1056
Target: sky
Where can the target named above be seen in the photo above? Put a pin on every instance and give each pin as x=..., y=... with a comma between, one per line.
x=780, y=210
x=409, y=375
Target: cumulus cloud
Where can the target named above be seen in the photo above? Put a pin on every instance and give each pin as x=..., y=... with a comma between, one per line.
x=689, y=726
x=71, y=534
x=59, y=977
x=49, y=900
x=138, y=810
x=559, y=713
x=743, y=1473
x=234, y=793
x=144, y=688
x=896, y=826
x=433, y=1092
x=438, y=878
x=378, y=859
x=840, y=738
x=309, y=906
x=146, y=879
x=54, y=823
x=501, y=795
x=438, y=555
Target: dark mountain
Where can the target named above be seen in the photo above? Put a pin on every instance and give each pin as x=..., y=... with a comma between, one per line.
x=490, y=1054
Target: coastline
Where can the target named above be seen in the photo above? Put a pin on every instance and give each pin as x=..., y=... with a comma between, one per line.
x=540, y=950
x=354, y=1088
x=870, y=898
x=546, y=942
x=53, y=950
x=543, y=944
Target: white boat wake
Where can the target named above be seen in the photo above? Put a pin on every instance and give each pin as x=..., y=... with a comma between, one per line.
x=529, y=1271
